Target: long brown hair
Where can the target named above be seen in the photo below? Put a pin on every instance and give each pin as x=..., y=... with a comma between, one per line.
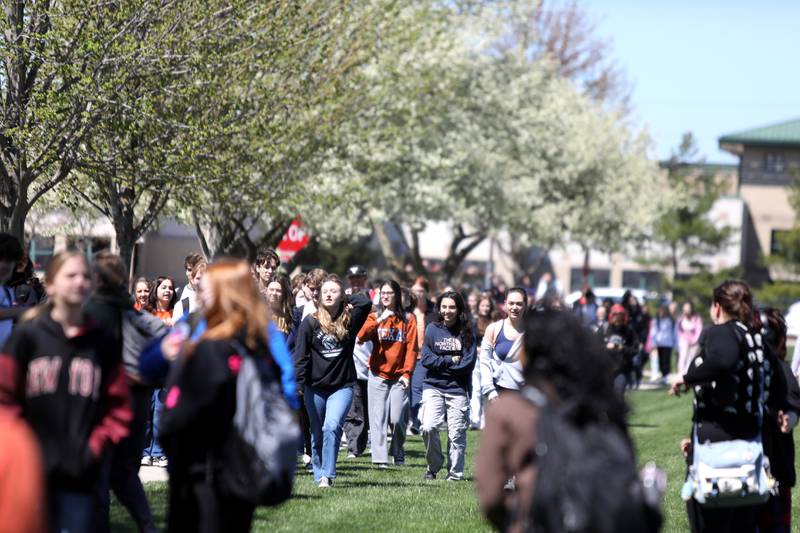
x=736, y=300
x=336, y=328
x=53, y=268
x=237, y=303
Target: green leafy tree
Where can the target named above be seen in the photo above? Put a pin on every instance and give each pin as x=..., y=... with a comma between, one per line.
x=686, y=233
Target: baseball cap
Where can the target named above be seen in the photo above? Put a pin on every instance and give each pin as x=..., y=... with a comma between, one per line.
x=356, y=270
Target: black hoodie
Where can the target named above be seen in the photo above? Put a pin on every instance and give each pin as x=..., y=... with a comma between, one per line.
x=323, y=361
x=72, y=392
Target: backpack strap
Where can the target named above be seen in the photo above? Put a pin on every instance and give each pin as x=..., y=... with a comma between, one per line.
x=534, y=396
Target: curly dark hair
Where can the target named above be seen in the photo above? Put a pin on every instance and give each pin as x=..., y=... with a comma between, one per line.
x=558, y=350
x=463, y=317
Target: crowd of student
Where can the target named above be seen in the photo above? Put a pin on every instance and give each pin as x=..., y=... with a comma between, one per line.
x=107, y=380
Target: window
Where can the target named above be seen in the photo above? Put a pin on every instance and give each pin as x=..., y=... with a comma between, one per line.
x=775, y=163
x=41, y=251
x=785, y=243
x=596, y=278
x=89, y=245
x=640, y=279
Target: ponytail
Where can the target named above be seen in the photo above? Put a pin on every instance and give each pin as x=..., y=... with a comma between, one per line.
x=736, y=300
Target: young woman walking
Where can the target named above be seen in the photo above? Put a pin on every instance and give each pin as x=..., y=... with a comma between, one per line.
x=728, y=392
x=662, y=339
x=393, y=333
x=326, y=373
x=63, y=374
x=689, y=328
x=201, y=399
x=161, y=304
x=448, y=354
x=501, y=368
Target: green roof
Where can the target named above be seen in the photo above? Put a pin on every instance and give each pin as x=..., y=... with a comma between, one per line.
x=781, y=134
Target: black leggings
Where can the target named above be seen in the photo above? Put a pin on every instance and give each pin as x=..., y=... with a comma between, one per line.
x=664, y=360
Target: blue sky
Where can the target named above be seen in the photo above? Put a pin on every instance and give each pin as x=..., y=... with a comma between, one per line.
x=708, y=66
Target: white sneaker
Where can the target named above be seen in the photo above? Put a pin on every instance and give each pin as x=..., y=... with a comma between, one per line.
x=160, y=461
x=306, y=459
x=324, y=483
x=351, y=456
x=147, y=460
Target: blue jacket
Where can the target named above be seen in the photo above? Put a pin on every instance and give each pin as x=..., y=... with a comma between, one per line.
x=154, y=367
x=438, y=349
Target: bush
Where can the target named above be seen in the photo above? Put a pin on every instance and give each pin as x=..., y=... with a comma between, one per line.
x=779, y=295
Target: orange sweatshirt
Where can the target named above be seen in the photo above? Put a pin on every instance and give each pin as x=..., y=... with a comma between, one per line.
x=394, y=345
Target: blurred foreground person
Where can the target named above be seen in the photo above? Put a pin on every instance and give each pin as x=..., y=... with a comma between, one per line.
x=565, y=439
x=63, y=374
x=22, y=499
x=205, y=403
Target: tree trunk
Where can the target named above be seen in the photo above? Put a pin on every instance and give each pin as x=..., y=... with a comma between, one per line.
x=392, y=259
x=457, y=255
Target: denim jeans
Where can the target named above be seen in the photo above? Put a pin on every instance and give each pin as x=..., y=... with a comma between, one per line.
x=417, y=380
x=152, y=446
x=71, y=512
x=326, y=413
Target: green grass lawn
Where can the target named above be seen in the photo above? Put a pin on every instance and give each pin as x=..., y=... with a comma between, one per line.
x=366, y=499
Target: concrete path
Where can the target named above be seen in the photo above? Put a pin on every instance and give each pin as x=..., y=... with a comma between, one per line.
x=153, y=473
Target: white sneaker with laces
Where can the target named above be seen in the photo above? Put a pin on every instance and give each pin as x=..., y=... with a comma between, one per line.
x=324, y=483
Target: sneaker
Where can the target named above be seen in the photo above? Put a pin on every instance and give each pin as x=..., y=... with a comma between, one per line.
x=306, y=459
x=382, y=466
x=399, y=456
x=310, y=468
x=399, y=462
x=429, y=476
x=147, y=461
x=324, y=483
x=451, y=477
x=351, y=456
x=161, y=462
x=510, y=485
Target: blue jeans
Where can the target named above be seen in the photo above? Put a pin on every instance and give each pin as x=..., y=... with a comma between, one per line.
x=326, y=413
x=152, y=446
x=71, y=512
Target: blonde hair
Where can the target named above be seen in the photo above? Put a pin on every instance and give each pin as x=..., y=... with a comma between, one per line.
x=337, y=328
x=53, y=268
x=237, y=303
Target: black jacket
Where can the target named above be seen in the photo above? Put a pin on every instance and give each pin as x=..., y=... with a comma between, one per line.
x=726, y=384
x=321, y=360
x=200, y=404
x=779, y=446
x=72, y=392
x=626, y=344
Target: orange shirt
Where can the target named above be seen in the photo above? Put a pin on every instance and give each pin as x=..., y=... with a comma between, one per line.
x=394, y=345
x=22, y=500
x=165, y=316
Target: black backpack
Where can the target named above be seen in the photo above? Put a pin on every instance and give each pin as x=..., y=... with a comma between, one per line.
x=260, y=453
x=587, y=481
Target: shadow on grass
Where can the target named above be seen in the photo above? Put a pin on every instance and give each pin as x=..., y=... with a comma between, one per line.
x=643, y=425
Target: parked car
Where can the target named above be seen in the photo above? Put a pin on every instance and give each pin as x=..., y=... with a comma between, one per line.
x=601, y=293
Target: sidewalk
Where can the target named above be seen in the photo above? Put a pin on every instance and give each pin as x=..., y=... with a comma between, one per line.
x=149, y=474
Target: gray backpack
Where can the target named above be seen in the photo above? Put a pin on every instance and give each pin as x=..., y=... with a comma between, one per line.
x=260, y=453
x=139, y=330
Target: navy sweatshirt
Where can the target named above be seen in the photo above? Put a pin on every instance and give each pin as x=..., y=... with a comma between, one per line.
x=438, y=349
x=322, y=361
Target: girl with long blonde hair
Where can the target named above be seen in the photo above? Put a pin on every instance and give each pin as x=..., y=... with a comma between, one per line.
x=326, y=373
